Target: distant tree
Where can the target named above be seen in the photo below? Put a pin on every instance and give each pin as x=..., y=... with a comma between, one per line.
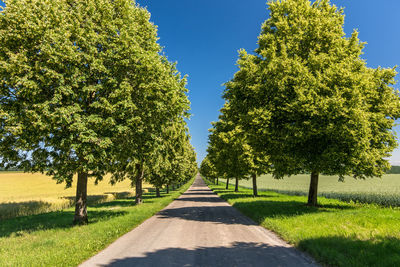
x=79, y=79
x=207, y=170
x=309, y=99
x=172, y=162
x=394, y=170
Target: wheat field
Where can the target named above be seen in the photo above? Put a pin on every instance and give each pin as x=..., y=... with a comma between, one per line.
x=27, y=194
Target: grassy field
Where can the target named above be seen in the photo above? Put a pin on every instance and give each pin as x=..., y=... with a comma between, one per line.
x=51, y=240
x=336, y=234
x=383, y=191
x=27, y=194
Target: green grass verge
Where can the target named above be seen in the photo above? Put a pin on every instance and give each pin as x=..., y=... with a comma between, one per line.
x=51, y=240
x=336, y=233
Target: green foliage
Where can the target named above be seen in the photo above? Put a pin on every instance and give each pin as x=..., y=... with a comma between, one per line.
x=174, y=160
x=84, y=89
x=207, y=169
x=335, y=234
x=229, y=151
x=309, y=100
x=74, y=74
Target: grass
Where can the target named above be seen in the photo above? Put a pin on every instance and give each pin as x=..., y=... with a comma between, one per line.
x=383, y=191
x=24, y=194
x=51, y=240
x=336, y=234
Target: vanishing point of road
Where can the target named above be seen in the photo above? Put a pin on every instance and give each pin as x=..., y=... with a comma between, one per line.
x=199, y=229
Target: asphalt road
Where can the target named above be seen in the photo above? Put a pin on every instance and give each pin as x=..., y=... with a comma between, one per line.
x=199, y=229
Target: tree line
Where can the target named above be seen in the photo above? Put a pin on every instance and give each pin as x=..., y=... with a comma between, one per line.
x=304, y=102
x=85, y=91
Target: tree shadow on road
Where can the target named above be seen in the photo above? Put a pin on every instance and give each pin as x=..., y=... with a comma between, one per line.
x=214, y=214
x=237, y=254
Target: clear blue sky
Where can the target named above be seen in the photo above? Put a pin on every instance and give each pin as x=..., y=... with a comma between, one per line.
x=204, y=37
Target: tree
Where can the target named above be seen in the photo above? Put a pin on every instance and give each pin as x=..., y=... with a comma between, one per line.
x=78, y=77
x=207, y=170
x=310, y=100
x=172, y=162
x=230, y=150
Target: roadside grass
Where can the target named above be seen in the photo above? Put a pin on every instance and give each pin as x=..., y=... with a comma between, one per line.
x=23, y=194
x=336, y=233
x=384, y=191
x=51, y=240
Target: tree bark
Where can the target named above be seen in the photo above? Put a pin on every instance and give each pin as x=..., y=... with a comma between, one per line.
x=254, y=177
x=158, y=192
x=139, y=183
x=237, y=185
x=81, y=199
x=167, y=188
x=217, y=180
x=227, y=183
x=313, y=192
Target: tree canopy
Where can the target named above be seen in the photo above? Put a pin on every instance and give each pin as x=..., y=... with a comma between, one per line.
x=84, y=89
x=308, y=100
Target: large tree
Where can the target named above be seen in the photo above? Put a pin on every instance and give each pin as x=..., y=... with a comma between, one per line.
x=76, y=78
x=309, y=99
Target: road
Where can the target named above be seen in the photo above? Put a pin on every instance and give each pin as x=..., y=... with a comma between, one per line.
x=199, y=229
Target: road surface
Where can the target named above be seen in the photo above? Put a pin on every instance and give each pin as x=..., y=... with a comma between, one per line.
x=199, y=229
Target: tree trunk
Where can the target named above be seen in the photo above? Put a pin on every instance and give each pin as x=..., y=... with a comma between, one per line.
x=217, y=180
x=167, y=188
x=139, y=186
x=227, y=183
x=158, y=192
x=81, y=199
x=237, y=185
x=255, y=192
x=313, y=192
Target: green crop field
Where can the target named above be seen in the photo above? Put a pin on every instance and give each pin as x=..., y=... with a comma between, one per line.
x=26, y=194
x=384, y=191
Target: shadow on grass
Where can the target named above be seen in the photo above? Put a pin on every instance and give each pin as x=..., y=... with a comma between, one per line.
x=235, y=254
x=340, y=251
x=52, y=220
x=269, y=205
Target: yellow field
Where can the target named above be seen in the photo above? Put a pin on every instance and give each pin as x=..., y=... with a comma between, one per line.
x=26, y=194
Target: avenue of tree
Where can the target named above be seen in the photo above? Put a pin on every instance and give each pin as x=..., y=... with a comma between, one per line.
x=304, y=102
x=85, y=91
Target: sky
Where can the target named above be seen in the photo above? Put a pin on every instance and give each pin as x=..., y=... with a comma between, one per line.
x=203, y=37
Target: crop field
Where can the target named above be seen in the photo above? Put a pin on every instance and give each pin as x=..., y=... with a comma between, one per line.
x=383, y=191
x=26, y=194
